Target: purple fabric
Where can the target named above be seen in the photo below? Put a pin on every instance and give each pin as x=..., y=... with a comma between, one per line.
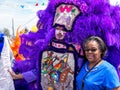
x=80, y=62
x=29, y=76
x=29, y=67
x=28, y=70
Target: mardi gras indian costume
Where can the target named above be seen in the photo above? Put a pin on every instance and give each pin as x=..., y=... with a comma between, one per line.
x=96, y=18
x=6, y=81
x=58, y=63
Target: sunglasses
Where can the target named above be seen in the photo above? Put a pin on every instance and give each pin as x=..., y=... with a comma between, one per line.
x=92, y=50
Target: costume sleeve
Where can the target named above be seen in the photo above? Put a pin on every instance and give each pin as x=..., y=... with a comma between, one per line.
x=111, y=79
x=30, y=76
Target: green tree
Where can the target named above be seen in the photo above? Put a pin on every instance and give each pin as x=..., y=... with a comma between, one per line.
x=6, y=31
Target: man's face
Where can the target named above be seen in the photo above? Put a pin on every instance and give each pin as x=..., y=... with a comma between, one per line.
x=59, y=33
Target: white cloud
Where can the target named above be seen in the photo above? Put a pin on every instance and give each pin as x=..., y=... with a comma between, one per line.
x=24, y=16
x=115, y=2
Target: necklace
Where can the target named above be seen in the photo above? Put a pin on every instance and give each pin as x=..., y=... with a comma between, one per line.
x=87, y=68
x=95, y=68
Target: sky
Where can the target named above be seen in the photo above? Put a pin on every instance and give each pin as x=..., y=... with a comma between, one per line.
x=20, y=12
x=23, y=13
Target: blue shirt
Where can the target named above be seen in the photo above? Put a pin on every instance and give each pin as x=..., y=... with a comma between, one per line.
x=102, y=77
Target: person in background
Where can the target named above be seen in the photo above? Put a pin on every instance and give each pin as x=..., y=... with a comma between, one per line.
x=96, y=73
x=24, y=70
x=6, y=56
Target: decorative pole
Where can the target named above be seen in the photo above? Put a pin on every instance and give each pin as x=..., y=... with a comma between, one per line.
x=13, y=26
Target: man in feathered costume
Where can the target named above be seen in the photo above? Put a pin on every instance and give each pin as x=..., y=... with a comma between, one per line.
x=96, y=18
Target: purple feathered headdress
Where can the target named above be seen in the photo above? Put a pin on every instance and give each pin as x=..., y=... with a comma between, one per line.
x=98, y=18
